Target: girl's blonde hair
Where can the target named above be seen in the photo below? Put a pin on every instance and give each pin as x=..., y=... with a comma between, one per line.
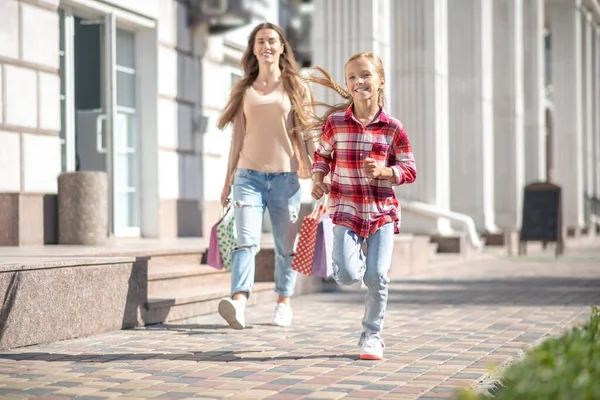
x=328, y=81
x=296, y=90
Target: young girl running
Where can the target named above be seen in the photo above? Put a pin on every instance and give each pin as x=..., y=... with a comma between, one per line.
x=366, y=152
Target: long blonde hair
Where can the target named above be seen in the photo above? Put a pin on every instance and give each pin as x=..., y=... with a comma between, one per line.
x=328, y=81
x=296, y=90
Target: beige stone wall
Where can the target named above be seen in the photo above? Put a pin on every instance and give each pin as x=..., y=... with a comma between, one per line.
x=29, y=115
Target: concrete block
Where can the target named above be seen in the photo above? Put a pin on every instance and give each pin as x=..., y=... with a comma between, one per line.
x=10, y=162
x=168, y=170
x=9, y=29
x=27, y=219
x=20, y=96
x=40, y=31
x=67, y=300
x=167, y=71
x=41, y=163
x=49, y=101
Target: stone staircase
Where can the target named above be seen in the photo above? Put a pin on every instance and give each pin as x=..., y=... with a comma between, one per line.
x=182, y=286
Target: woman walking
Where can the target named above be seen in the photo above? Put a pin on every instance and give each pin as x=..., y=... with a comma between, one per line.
x=268, y=154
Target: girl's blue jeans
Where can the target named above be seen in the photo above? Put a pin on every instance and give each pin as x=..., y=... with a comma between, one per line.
x=349, y=263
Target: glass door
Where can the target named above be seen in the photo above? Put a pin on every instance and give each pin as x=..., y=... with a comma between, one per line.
x=105, y=113
x=125, y=137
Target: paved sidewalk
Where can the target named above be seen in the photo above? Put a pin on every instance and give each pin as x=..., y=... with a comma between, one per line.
x=443, y=331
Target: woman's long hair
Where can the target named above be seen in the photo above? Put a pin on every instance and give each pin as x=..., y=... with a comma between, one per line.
x=292, y=83
x=327, y=80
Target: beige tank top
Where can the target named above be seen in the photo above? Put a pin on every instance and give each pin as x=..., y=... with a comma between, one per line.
x=267, y=143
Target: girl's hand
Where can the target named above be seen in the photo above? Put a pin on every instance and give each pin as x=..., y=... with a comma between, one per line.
x=225, y=195
x=372, y=168
x=319, y=189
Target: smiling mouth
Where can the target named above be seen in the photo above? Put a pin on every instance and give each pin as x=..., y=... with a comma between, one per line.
x=361, y=90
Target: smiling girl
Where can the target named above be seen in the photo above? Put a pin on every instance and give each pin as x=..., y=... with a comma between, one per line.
x=366, y=152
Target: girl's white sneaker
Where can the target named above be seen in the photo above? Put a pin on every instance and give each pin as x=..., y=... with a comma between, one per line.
x=371, y=346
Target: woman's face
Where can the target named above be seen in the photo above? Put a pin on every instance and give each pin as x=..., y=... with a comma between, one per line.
x=267, y=46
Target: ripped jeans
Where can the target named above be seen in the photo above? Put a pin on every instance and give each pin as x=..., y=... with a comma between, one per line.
x=280, y=193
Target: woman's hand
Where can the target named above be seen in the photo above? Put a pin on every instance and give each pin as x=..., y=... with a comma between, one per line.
x=319, y=189
x=225, y=195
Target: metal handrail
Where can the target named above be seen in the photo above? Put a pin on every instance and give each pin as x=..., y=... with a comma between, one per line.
x=431, y=211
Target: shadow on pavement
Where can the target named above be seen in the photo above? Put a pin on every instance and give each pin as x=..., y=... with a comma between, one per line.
x=199, y=356
x=190, y=329
x=518, y=291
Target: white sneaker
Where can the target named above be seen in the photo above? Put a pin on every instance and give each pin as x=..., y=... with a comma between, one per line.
x=371, y=346
x=232, y=312
x=283, y=315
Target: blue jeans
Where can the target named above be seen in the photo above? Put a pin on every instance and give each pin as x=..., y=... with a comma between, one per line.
x=349, y=264
x=281, y=194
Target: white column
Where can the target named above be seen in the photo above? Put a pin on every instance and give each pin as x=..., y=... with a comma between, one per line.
x=342, y=28
x=509, y=141
x=534, y=85
x=567, y=140
x=588, y=109
x=420, y=97
x=470, y=43
x=596, y=71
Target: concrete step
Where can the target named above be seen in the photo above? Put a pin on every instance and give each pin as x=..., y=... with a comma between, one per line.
x=181, y=304
x=182, y=277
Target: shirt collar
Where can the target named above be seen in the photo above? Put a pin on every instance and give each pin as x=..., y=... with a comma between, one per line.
x=381, y=116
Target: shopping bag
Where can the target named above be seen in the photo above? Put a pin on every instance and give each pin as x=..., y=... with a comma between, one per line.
x=226, y=237
x=213, y=256
x=322, y=260
x=305, y=249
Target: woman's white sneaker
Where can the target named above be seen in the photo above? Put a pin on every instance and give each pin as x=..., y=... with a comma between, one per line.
x=232, y=312
x=371, y=346
x=283, y=315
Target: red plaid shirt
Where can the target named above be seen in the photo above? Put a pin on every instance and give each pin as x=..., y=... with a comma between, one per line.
x=355, y=202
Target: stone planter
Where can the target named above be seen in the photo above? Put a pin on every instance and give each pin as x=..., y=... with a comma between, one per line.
x=83, y=208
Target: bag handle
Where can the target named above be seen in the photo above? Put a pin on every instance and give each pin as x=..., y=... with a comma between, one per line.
x=320, y=206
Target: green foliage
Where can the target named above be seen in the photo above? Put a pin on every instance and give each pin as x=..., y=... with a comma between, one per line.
x=562, y=368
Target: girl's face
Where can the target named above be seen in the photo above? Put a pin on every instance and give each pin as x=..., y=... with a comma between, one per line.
x=362, y=81
x=267, y=46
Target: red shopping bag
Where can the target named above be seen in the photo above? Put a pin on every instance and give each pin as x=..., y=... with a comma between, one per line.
x=305, y=249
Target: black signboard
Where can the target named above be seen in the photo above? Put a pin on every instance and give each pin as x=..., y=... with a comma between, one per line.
x=542, y=218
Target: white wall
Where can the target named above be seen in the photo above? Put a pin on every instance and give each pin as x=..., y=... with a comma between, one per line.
x=30, y=159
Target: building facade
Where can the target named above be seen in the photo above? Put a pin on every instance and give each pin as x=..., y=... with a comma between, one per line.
x=494, y=94
x=129, y=87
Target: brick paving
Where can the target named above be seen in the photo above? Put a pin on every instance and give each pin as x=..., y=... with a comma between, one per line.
x=443, y=330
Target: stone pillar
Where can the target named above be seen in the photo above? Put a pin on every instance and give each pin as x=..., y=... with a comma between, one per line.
x=567, y=141
x=534, y=85
x=509, y=141
x=589, y=174
x=83, y=208
x=342, y=28
x=470, y=43
x=420, y=98
x=596, y=92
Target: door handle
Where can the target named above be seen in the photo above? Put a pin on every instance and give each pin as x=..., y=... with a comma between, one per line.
x=99, y=147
